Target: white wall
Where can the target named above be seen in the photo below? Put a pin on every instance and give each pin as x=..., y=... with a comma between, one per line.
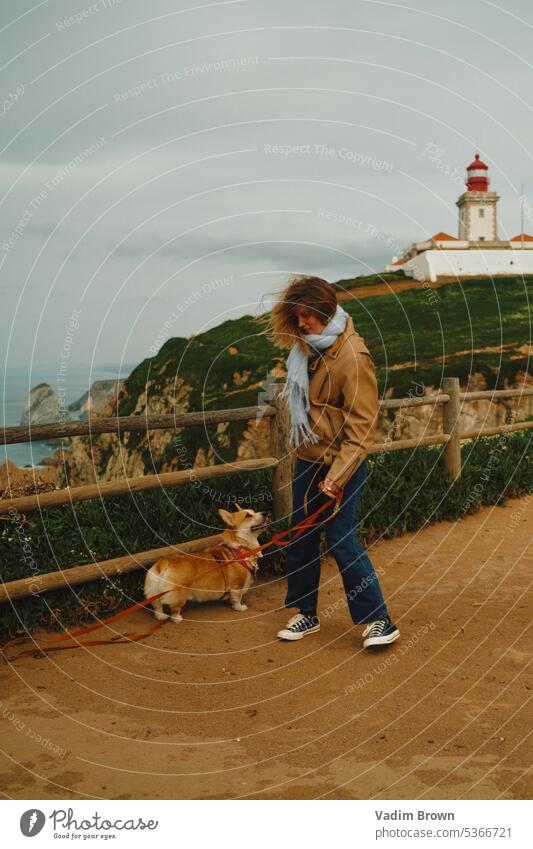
x=432, y=264
x=477, y=222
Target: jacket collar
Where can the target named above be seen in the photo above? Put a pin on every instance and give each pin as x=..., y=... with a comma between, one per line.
x=333, y=350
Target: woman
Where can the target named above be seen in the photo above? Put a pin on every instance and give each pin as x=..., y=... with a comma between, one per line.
x=332, y=394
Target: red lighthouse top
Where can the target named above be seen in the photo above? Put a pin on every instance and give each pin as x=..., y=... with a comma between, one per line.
x=477, y=176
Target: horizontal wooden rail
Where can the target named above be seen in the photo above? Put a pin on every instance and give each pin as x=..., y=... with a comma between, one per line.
x=493, y=431
x=495, y=394
x=48, y=581
x=145, y=423
x=400, y=444
x=122, y=424
x=141, y=424
x=75, y=575
x=59, y=497
x=425, y=401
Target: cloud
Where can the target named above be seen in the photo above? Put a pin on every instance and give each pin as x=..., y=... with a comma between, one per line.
x=294, y=141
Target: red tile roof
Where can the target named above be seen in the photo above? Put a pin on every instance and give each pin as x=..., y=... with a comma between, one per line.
x=442, y=237
x=522, y=237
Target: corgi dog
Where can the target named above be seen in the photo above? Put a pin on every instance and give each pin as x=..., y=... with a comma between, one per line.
x=221, y=571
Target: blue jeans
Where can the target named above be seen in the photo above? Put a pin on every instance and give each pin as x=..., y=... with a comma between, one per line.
x=361, y=585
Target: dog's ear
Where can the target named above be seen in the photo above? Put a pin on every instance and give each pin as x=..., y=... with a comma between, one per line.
x=227, y=518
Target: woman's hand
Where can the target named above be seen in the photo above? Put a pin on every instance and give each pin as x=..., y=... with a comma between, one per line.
x=329, y=487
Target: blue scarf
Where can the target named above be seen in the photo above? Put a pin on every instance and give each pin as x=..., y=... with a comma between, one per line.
x=297, y=386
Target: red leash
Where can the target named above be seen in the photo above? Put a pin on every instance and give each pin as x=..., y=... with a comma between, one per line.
x=241, y=557
x=300, y=527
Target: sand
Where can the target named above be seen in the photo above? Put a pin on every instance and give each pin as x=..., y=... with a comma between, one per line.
x=216, y=707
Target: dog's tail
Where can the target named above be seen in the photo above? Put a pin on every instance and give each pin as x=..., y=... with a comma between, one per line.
x=153, y=583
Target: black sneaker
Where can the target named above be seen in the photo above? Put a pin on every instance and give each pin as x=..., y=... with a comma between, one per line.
x=380, y=633
x=299, y=626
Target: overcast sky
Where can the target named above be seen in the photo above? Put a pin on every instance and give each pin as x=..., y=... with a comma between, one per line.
x=165, y=164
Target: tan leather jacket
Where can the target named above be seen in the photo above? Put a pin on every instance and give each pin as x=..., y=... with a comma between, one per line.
x=343, y=396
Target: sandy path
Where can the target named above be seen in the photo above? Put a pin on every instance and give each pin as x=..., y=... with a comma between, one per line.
x=216, y=707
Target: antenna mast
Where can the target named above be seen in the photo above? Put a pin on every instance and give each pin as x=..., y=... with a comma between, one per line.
x=522, y=218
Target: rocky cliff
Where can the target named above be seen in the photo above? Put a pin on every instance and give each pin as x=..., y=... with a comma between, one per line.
x=108, y=458
x=414, y=422
x=42, y=406
x=92, y=402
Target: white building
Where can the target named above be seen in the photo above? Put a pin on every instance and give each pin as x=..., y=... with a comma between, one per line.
x=477, y=251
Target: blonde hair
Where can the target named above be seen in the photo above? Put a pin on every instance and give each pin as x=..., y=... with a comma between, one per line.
x=314, y=293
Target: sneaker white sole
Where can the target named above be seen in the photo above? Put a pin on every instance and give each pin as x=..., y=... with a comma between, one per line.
x=290, y=635
x=381, y=641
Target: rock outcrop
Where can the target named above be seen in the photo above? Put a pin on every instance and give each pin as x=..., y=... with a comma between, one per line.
x=92, y=402
x=42, y=406
x=109, y=458
x=415, y=422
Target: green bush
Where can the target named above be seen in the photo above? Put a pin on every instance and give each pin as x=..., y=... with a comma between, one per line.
x=405, y=491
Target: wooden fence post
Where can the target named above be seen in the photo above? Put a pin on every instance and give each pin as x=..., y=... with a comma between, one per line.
x=279, y=447
x=450, y=426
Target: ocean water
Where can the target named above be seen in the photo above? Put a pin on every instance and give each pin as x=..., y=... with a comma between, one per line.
x=15, y=386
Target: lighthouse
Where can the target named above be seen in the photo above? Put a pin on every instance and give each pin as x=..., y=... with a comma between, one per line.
x=478, y=252
x=477, y=206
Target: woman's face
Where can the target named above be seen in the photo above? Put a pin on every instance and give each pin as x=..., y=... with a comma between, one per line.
x=308, y=322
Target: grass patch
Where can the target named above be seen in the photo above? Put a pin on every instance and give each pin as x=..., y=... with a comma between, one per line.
x=371, y=280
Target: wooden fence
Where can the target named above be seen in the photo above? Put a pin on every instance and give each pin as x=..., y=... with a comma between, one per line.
x=280, y=461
